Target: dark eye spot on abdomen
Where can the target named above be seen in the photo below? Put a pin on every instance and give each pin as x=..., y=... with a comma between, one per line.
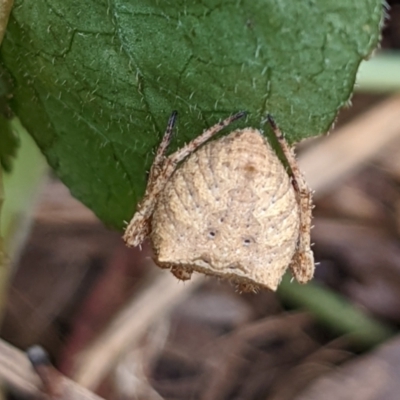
x=248, y=240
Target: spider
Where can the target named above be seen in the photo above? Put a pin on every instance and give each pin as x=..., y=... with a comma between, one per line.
x=227, y=208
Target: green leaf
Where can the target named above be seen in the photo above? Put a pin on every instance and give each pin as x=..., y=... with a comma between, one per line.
x=95, y=81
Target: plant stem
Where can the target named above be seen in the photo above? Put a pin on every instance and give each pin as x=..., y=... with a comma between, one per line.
x=335, y=312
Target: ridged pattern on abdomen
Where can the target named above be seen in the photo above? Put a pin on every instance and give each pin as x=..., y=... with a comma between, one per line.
x=229, y=210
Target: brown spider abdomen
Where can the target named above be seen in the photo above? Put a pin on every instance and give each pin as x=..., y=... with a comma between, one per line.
x=229, y=210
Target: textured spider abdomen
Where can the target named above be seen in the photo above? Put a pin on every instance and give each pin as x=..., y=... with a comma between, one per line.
x=229, y=210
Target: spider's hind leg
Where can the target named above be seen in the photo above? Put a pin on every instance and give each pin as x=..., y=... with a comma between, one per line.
x=302, y=265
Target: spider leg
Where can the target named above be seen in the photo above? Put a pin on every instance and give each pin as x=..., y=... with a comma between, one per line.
x=139, y=227
x=162, y=148
x=174, y=159
x=302, y=265
x=193, y=145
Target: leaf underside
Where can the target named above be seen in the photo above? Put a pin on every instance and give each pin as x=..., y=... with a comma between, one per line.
x=95, y=81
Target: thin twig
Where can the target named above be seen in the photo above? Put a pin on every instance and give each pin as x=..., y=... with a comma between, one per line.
x=16, y=372
x=130, y=325
x=336, y=157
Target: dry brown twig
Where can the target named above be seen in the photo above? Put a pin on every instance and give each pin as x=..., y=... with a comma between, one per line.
x=154, y=302
x=230, y=353
x=16, y=372
x=333, y=159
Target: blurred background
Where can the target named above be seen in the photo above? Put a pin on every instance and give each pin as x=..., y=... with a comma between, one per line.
x=111, y=320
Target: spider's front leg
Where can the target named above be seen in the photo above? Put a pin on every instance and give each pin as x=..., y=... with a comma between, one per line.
x=139, y=227
x=302, y=265
x=161, y=170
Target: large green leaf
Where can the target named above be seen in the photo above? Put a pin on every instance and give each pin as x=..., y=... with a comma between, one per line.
x=96, y=80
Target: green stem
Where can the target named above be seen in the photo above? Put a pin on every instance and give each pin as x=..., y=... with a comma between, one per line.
x=335, y=312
